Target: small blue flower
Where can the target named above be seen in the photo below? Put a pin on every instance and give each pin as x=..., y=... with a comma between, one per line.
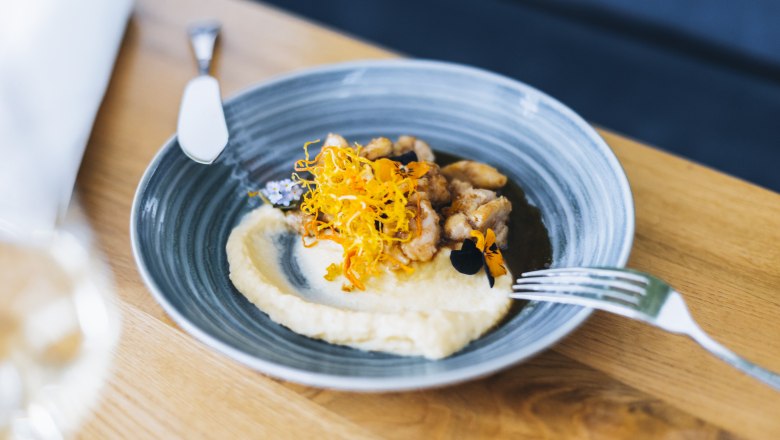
x=272, y=196
x=282, y=192
x=273, y=186
x=296, y=191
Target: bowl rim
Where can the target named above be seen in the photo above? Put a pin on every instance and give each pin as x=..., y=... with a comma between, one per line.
x=384, y=384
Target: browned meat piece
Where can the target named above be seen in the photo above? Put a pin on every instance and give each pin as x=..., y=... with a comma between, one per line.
x=434, y=185
x=502, y=233
x=476, y=209
x=423, y=246
x=457, y=227
x=459, y=187
x=492, y=215
x=378, y=147
x=424, y=151
x=466, y=198
x=478, y=174
x=395, y=252
x=405, y=144
x=296, y=219
x=335, y=140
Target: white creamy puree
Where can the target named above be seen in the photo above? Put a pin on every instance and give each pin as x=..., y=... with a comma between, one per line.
x=433, y=312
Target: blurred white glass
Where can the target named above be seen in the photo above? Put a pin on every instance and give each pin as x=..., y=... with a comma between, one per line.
x=58, y=325
x=58, y=321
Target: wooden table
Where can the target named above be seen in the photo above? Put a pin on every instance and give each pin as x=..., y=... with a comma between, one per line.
x=714, y=237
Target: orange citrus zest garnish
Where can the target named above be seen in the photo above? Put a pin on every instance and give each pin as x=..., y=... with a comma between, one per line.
x=362, y=205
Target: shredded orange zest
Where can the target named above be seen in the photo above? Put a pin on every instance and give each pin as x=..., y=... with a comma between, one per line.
x=362, y=205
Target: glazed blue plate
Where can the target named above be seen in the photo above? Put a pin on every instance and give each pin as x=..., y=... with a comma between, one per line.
x=183, y=211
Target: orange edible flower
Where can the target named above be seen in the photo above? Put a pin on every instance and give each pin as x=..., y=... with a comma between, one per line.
x=493, y=258
x=473, y=255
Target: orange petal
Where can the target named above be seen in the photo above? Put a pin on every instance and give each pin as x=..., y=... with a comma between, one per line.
x=417, y=169
x=490, y=238
x=495, y=262
x=349, y=273
x=332, y=272
x=480, y=240
x=385, y=169
x=493, y=258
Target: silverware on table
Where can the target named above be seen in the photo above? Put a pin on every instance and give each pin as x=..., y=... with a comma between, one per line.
x=632, y=294
x=202, y=130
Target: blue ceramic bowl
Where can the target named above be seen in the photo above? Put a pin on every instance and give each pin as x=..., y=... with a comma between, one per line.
x=184, y=211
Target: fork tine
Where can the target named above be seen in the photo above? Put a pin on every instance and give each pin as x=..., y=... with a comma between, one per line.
x=580, y=291
x=603, y=283
x=593, y=303
x=588, y=281
x=591, y=272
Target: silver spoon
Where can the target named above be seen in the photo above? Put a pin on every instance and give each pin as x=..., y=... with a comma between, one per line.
x=202, y=130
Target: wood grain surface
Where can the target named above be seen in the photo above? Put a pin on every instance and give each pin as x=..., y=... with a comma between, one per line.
x=714, y=237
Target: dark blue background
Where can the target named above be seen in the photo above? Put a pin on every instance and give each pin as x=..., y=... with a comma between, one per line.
x=700, y=78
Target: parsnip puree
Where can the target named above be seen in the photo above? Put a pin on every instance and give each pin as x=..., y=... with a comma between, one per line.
x=433, y=312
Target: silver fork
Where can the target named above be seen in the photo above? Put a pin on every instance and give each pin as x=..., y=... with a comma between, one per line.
x=632, y=294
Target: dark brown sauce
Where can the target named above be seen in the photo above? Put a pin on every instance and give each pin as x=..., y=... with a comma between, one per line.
x=528, y=246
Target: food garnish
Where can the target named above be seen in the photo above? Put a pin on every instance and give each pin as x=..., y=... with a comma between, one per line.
x=480, y=252
x=365, y=206
x=389, y=205
x=405, y=158
x=385, y=217
x=280, y=193
x=468, y=259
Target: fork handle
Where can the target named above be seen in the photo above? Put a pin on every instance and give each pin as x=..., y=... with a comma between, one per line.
x=768, y=377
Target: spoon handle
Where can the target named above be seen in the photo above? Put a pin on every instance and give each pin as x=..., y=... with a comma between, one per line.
x=202, y=37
